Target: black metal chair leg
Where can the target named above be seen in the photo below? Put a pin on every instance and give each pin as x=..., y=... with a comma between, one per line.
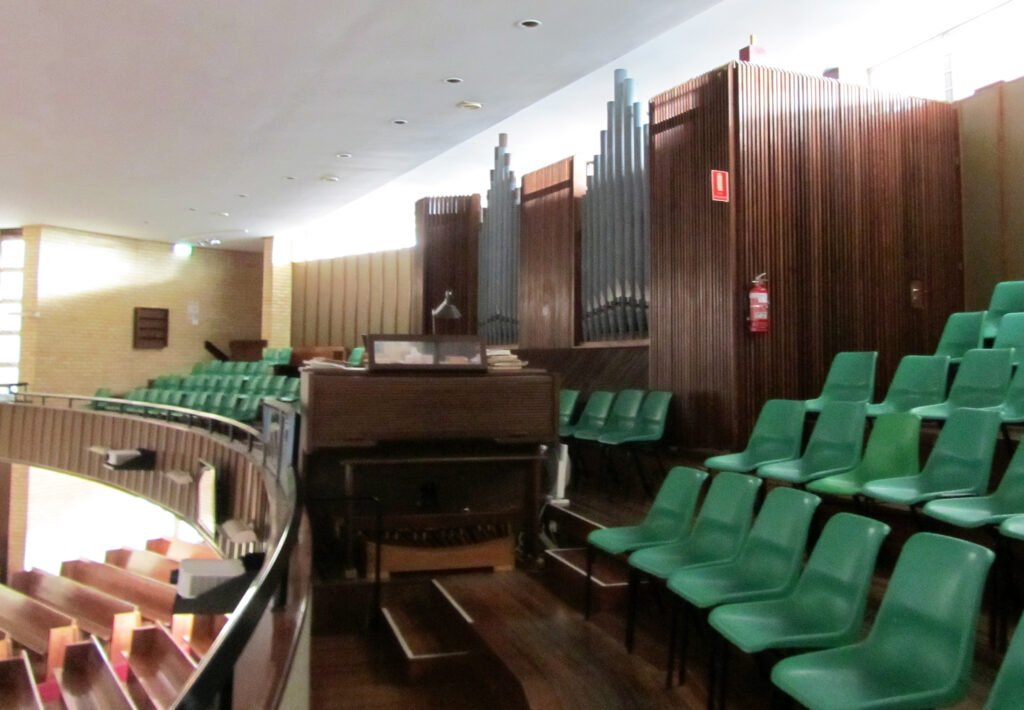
x=591, y=552
x=672, y=628
x=684, y=645
x=631, y=600
x=723, y=672
x=713, y=663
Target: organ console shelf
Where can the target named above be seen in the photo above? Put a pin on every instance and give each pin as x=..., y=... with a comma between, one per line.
x=453, y=457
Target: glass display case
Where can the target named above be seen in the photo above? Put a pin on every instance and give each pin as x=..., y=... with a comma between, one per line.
x=425, y=352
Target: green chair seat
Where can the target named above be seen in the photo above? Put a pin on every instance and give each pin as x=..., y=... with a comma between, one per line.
x=959, y=464
x=961, y=333
x=567, y=401
x=920, y=380
x=920, y=649
x=768, y=563
x=623, y=415
x=594, y=415
x=1011, y=409
x=892, y=450
x=647, y=426
x=1007, y=692
x=1011, y=335
x=1007, y=500
x=981, y=381
x=1007, y=297
x=1013, y=527
x=355, y=357
x=826, y=607
x=835, y=446
x=777, y=436
x=850, y=378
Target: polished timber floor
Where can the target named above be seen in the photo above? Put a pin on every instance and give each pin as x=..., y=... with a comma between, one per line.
x=567, y=661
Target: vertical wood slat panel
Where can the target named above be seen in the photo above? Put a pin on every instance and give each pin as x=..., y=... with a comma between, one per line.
x=447, y=234
x=842, y=194
x=549, y=256
x=337, y=300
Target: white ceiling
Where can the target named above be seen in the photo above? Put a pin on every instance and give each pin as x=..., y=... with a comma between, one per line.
x=152, y=118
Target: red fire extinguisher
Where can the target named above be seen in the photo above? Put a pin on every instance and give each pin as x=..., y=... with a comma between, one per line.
x=758, y=314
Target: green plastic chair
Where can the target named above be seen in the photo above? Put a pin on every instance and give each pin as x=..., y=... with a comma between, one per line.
x=919, y=380
x=215, y=367
x=198, y=368
x=767, y=566
x=981, y=381
x=825, y=608
x=959, y=464
x=961, y=333
x=835, y=446
x=1013, y=527
x=892, y=450
x=777, y=436
x=851, y=378
x=647, y=426
x=1007, y=297
x=1007, y=692
x=106, y=393
x=1011, y=409
x=974, y=511
x=622, y=416
x=356, y=356
x=722, y=525
x=290, y=391
x=247, y=408
x=1011, y=335
x=920, y=649
x=595, y=412
x=667, y=520
x=567, y=400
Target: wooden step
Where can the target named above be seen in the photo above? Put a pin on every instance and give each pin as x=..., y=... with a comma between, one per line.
x=567, y=527
x=430, y=629
x=565, y=573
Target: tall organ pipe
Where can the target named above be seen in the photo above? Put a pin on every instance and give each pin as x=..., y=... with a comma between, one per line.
x=615, y=259
x=498, y=299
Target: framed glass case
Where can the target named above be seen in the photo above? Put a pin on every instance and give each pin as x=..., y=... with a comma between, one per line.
x=425, y=352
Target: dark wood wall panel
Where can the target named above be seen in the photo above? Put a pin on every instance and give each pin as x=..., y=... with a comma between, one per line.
x=693, y=275
x=589, y=369
x=447, y=234
x=549, y=256
x=844, y=196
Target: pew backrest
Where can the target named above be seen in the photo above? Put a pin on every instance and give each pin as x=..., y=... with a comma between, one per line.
x=153, y=598
x=142, y=562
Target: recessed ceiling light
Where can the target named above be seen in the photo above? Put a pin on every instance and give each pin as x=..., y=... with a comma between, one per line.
x=529, y=24
x=471, y=105
x=453, y=80
x=192, y=209
x=221, y=214
x=399, y=121
x=214, y=242
x=330, y=178
x=343, y=156
x=241, y=194
x=289, y=177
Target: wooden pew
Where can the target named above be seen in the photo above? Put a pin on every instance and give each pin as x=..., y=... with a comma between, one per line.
x=157, y=668
x=142, y=562
x=18, y=689
x=5, y=646
x=109, y=618
x=181, y=550
x=36, y=626
x=88, y=681
x=205, y=628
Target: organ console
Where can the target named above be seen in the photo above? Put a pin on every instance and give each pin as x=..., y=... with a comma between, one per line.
x=454, y=459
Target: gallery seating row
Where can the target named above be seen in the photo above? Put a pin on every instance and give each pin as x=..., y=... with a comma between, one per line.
x=234, y=367
x=752, y=578
x=267, y=385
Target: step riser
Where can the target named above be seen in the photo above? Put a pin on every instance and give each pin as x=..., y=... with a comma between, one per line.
x=565, y=573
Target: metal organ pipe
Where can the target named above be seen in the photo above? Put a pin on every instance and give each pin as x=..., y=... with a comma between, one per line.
x=615, y=254
x=498, y=299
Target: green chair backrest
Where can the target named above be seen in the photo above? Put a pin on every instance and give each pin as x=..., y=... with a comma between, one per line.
x=1011, y=335
x=930, y=609
x=961, y=333
x=961, y=459
x=258, y=384
x=189, y=399
x=982, y=379
x=671, y=512
x=834, y=584
x=1007, y=297
x=215, y=402
x=567, y=400
x=291, y=387
x=356, y=356
x=624, y=410
x=654, y=411
x=778, y=431
x=1007, y=692
x=851, y=378
x=724, y=519
x=1009, y=495
x=1012, y=409
x=919, y=380
x=215, y=367
x=774, y=549
x=892, y=450
x=595, y=411
x=277, y=385
x=838, y=437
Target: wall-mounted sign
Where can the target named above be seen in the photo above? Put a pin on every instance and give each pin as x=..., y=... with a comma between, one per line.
x=720, y=185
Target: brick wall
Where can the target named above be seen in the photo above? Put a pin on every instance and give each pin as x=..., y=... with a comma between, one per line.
x=81, y=289
x=277, y=299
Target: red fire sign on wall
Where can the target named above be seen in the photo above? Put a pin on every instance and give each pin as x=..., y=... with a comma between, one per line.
x=720, y=185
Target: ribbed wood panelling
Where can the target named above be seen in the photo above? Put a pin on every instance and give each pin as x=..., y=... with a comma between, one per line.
x=447, y=234
x=844, y=196
x=335, y=301
x=693, y=280
x=549, y=256
x=59, y=439
x=589, y=369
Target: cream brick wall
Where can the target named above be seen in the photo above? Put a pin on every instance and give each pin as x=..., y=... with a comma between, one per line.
x=81, y=289
x=277, y=299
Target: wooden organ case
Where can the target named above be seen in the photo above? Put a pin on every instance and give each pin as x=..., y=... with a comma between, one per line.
x=454, y=459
